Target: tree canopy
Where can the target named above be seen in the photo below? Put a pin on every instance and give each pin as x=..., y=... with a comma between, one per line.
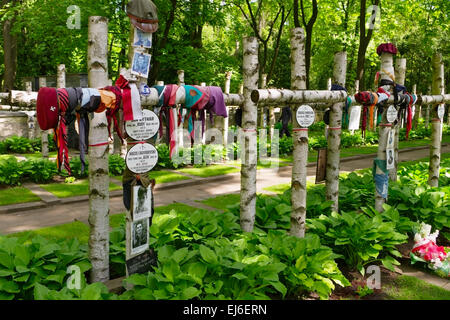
x=204, y=37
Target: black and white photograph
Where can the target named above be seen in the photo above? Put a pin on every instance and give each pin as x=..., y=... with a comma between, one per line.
x=139, y=233
x=141, y=64
x=142, y=39
x=142, y=203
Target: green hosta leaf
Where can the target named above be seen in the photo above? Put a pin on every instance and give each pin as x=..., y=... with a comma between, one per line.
x=6, y=260
x=197, y=269
x=207, y=230
x=207, y=254
x=137, y=280
x=171, y=269
x=260, y=259
x=180, y=254
x=93, y=291
x=239, y=276
x=301, y=263
x=145, y=294
x=9, y=286
x=280, y=287
x=189, y=293
x=5, y=273
x=41, y=292
x=283, y=208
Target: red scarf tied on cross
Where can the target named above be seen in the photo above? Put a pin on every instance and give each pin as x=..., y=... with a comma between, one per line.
x=61, y=132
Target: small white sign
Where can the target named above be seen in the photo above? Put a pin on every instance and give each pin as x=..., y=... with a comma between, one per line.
x=144, y=128
x=391, y=114
x=355, y=117
x=305, y=116
x=141, y=158
x=390, y=159
x=390, y=139
x=441, y=112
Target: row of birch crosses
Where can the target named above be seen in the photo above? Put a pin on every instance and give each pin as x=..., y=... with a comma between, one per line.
x=251, y=99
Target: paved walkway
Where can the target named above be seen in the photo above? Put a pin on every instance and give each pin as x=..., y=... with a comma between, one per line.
x=187, y=191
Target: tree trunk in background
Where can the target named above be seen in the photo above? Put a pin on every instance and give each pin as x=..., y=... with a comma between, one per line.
x=364, y=40
x=387, y=66
x=418, y=113
x=309, y=31
x=225, y=121
x=300, y=138
x=158, y=45
x=334, y=133
x=249, y=118
x=9, y=52
x=438, y=87
x=98, y=155
x=44, y=134
x=400, y=74
x=262, y=111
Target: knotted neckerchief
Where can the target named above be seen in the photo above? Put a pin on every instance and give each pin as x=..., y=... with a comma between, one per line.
x=61, y=132
x=409, y=116
x=131, y=99
x=348, y=102
x=112, y=113
x=368, y=100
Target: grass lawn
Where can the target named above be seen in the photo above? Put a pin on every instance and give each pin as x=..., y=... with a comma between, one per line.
x=221, y=202
x=411, y=288
x=78, y=188
x=17, y=195
x=162, y=176
x=71, y=230
x=209, y=171
x=38, y=155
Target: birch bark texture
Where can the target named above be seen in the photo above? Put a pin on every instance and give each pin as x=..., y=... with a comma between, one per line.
x=400, y=75
x=249, y=118
x=61, y=76
x=334, y=134
x=44, y=134
x=438, y=87
x=262, y=111
x=98, y=155
x=387, y=67
x=299, y=136
x=225, y=121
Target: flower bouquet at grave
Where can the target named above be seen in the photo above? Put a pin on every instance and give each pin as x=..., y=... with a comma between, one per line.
x=425, y=250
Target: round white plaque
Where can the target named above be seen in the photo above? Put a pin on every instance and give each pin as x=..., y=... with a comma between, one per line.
x=305, y=116
x=144, y=128
x=391, y=114
x=141, y=158
x=441, y=112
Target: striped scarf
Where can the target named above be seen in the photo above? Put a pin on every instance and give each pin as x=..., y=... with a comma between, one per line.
x=61, y=132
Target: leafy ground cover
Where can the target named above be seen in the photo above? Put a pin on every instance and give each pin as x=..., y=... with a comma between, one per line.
x=203, y=254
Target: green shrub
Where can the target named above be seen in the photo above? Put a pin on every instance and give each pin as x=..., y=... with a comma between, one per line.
x=17, y=144
x=94, y=291
x=360, y=239
x=75, y=167
x=25, y=263
x=116, y=165
x=12, y=172
x=41, y=170
x=250, y=266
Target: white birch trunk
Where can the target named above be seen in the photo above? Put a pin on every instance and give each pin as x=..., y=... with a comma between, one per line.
x=299, y=136
x=262, y=111
x=436, y=123
x=98, y=155
x=44, y=134
x=334, y=134
x=225, y=121
x=61, y=76
x=249, y=118
x=400, y=75
x=387, y=66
